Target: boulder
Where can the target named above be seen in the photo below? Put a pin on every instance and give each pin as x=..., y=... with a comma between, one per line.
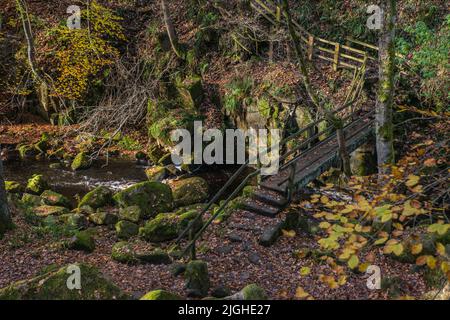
x=197, y=278
x=52, y=198
x=53, y=286
x=31, y=200
x=189, y=191
x=191, y=92
x=45, y=211
x=161, y=295
x=103, y=218
x=154, y=256
x=151, y=197
x=167, y=226
x=81, y=162
x=126, y=229
x=249, y=292
x=157, y=173
x=82, y=241
x=132, y=214
x=37, y=184
x=123, y=252
x=13, y=187
x=74, y=220
x=97, y=198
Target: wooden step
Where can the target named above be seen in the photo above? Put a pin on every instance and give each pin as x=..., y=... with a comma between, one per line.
x=270, y=197
x=262, y=209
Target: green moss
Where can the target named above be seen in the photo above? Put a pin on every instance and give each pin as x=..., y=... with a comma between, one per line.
x=132, y=214
x=253, y=292
x=156, y=173
x=191, y=92
x=53, y=286
x=30, y=200
x=45, y=211
x=123, y=252
x=13, y=187
x=161, y=295
x=155, y=256
x=126, y=229
x=81, y=162
x=82, y=241
x=197, y=278
x=97, y=198
x=37, y=184
x=54, y=199
x=103, y=218
x=189, y=191
x=150, y=197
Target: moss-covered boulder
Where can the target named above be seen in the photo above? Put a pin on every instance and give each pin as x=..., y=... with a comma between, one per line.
x=52, y=198
x=37, y=184
x=97, y=198
x=74, y=220
x=197, y=278
x=126, y=229
x=161, y=295
x=167, y=226
x=26, y=151
x=31, y=200
x=45, y=211
x=103, y=218
x=132, y=214
x=81, y=162
x=123, y=252
x=189, y=191
x=152, y=256
x=253, y=292
x=151, y=197
x=43, y=144
x=53, y=286
x=13, y=187
x=157, y=173
x=82, y=241
x=191, y=91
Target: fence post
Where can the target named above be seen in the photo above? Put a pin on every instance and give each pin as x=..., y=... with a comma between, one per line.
x=336, y=56
x=310, y=47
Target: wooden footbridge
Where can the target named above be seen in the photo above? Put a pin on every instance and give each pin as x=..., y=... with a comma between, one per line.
x=312, y=155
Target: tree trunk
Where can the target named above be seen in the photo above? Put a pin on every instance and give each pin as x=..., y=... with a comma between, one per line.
x=170, y=29
x=385, y=97
x=5, y=217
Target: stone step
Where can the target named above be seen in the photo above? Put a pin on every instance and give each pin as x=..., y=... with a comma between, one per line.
x=260, y=208
x=270, y=197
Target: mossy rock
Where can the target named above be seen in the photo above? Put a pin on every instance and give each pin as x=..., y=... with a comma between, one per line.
x=191, y=92
x=156, y=173
x=81, y=162
x=189, y=191
x=161, y=295
x=26, y=151
x=168, y=226
x=151, y=197
x=74, y=220
x=45, y=211
x=126, y=229
x=155, y=256
x=31, y=200
x=53, y=286
x=97, y=198
x=36, y=184
x=197, y=278
x=52, y=198
x=43, y=144
x=82, y=241
x=155, y=153
x=253, y=292
x=103, y=218
x=123, y=252
x=132, y=214
x=13, y=187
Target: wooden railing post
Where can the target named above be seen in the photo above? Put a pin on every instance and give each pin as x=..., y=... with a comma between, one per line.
x=336, y=56
x=310, y=47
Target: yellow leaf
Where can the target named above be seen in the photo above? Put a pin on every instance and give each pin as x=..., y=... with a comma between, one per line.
x=324, y=199
x=412, y=180
x=380, y=241
x=305, y=271
x=289, y=234
x=353, y=261
x=431, y=262
x=398, y=249
x=440, y=249
x=430, y=162
x=416, y=248
x=301, y=293
x=420, y=261
x=324, y=225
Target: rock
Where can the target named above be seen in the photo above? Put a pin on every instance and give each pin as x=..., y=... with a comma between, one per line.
x=191, y=91
x=189, y=191
x=97, y=198
x=13, y=187
x=75, y=220
x=45, y=211
x=26, y=151
x=178, y=269
x=132, y=214
x=308, y=225
x=82, y=241
x=155, y=153
x=103, y=218
x=270, y=235
x=151, y=197
x=253, y=292
x=54, y=199
x=363, y=161
x=126, y=229
x=161, y=295
x=157, y=173
x=167, y=226
x=81, y=162
x=123, y=252
x=155, y=256
x=36, y=185
x=254, y=258
x=31, y=200
x=53, y=286
x=197, y=278
x=233, y=237
x=56, y=165
x=438, y=294
x=220, y=292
